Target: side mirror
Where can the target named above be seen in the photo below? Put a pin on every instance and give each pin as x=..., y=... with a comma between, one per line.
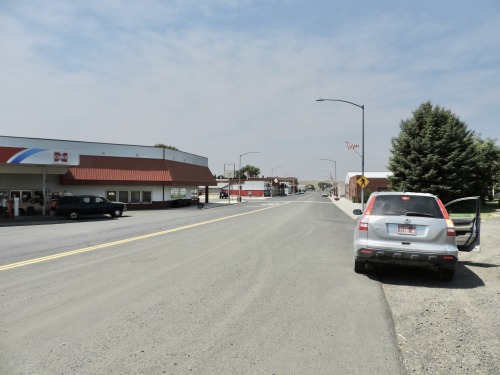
x=357, y=211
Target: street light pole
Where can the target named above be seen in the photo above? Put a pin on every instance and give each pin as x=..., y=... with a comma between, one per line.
x=330, y=179
x=336, y=189
x=272, y=172
x=362, y=141
x=239, y=173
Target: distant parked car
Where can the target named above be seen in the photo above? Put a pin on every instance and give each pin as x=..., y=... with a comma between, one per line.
x=324, y=194
x=75, y=205
x=415, y=230
x=223, y=194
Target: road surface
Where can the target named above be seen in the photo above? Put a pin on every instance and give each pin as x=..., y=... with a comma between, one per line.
x=263, y=287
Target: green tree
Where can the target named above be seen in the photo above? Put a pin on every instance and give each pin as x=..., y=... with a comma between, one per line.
x=488, y=157
x=161, y=145
x=324, y=185
x=434, y=153
x=252, y=171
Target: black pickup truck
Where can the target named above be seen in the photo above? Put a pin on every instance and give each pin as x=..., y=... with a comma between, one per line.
x=75, y=205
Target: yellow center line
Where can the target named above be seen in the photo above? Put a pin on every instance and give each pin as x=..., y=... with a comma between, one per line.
x=126, y=240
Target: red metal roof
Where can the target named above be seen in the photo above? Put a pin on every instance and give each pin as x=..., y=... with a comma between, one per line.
x=107, y=170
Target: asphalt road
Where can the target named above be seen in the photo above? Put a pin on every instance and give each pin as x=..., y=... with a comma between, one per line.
x=265, y=287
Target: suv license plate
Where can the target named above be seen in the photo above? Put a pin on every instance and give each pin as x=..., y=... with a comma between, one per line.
x=407, y=229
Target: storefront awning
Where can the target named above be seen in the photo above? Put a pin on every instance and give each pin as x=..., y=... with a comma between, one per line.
x=106, y=170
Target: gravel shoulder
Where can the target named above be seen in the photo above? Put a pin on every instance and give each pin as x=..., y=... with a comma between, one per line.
x=450, y=327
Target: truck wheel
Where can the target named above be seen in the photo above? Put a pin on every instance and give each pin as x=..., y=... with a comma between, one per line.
x=73, y=215
x=116, y=213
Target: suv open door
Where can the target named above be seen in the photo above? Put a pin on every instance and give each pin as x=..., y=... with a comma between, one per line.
x=466, y=215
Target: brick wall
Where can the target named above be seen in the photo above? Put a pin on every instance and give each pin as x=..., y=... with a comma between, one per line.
x=375, y=184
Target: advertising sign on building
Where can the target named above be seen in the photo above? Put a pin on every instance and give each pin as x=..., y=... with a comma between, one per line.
x=38, y=156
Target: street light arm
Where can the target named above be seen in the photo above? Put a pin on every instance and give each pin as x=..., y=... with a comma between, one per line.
x=339, y=100
x=251, y=152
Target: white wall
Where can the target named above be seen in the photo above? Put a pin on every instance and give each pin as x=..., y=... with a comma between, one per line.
x=105, y=149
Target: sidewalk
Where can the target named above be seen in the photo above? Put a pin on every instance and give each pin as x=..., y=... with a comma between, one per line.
x=30, y=220
x=347, y=206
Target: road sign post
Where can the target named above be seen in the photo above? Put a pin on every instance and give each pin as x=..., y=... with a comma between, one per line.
x=363, y=182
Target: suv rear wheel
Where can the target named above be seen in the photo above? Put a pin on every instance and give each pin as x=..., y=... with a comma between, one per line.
x=73, y=214
x=446, y=275
x=359, y=266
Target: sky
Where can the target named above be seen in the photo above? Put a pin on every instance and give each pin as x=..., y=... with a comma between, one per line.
x=237, y=80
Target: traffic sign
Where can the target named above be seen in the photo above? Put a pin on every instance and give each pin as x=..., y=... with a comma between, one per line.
x=363, y=181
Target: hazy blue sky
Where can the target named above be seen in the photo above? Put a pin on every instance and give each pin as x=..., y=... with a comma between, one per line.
x=220, y=78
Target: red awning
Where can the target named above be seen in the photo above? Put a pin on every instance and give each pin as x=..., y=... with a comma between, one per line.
x=107, y=170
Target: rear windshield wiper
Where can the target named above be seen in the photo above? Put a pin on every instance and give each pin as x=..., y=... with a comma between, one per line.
x=422, y=214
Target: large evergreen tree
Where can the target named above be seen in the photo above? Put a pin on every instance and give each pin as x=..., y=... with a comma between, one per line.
x=434, y=153
x=488, y=154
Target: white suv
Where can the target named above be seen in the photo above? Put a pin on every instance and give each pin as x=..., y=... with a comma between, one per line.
x=415, y=230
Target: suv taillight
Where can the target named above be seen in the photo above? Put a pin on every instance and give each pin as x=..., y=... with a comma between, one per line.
x=450, y=228
x=363, y=220
x=363, y=223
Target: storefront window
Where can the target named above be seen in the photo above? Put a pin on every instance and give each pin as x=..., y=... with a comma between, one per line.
x=123, y=196
x=135, y=196
x=146, y=196
x=178, y=193
x=23, y=195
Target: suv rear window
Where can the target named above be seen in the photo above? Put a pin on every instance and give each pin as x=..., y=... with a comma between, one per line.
x=410, y=205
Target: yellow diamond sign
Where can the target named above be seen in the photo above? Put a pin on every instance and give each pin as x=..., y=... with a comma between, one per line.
x=363, y=181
